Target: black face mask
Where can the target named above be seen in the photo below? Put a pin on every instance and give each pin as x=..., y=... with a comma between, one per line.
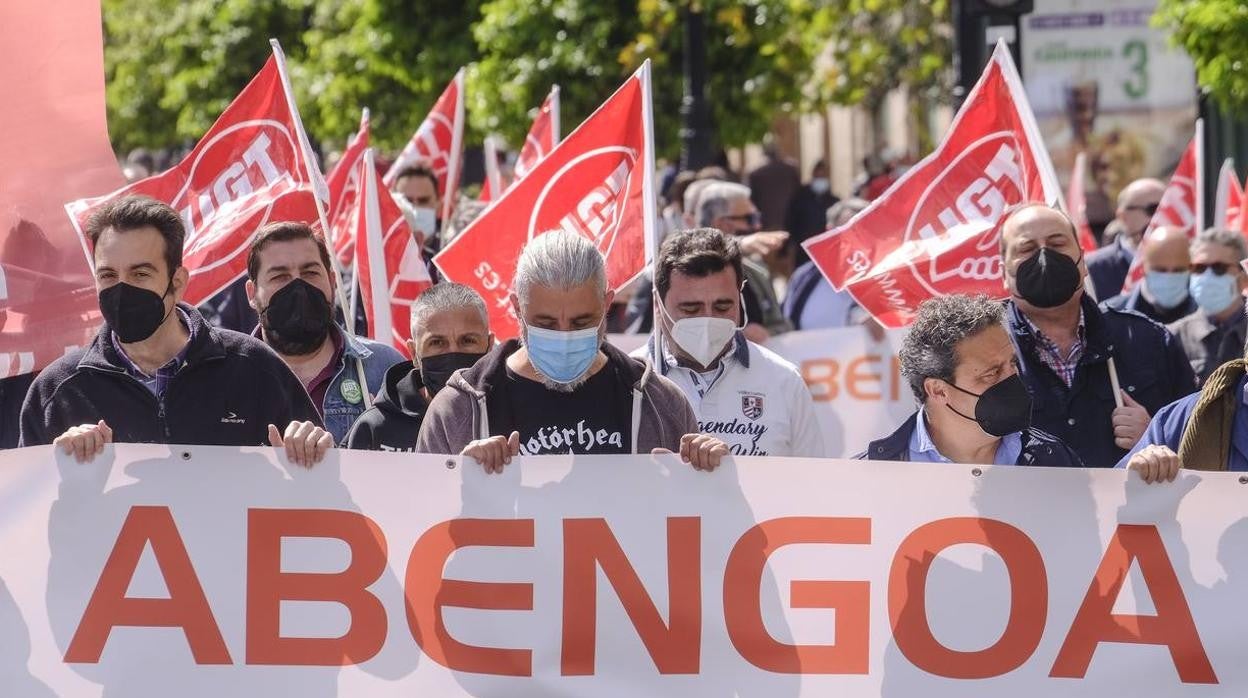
x=133, y=313
x=1048, y=278
x=297, y=319
x=435, y=371
x=1002, y=409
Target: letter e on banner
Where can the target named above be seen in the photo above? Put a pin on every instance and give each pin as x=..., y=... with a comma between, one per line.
x=428, y=593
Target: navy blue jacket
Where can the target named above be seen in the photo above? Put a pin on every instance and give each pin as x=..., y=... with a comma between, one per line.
x=1108, y=268
x=230, y=390
x=1136, y=301
x=1039, y=448
x=1152, y=368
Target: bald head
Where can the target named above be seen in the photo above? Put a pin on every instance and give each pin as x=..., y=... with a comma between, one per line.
x=1136, y=204
x=1030, y=228
x=1167, y=250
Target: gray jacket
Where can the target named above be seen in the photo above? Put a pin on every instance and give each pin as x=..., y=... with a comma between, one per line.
x=1208, y=346
x=458, y=414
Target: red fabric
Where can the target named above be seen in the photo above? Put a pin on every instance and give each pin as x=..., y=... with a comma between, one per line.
x=598, y=182
x=936, y=231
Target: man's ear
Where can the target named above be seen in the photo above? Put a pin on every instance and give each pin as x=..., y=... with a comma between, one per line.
x=936, y=388
x=180, y=279
x=610, y=297
x=411, y=346
x=490, y=341
x=250, y=286
x=515, y=307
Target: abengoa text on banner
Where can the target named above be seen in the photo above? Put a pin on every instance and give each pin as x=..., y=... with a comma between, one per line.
x=207, y=571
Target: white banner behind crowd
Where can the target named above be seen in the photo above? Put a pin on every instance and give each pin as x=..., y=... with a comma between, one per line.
x=207, y=571
x=855, y=381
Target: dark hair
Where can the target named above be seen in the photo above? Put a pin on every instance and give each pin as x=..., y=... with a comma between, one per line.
x=931, y=348
x=282, y=232
x=418, y=169
x=134, y=212
x=699, y=252
x=675, y=193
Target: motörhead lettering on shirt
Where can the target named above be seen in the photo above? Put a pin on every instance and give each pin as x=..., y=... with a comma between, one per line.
x=595, y=419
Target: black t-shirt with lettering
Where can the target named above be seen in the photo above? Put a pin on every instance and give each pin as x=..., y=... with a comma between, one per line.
x=594, y=419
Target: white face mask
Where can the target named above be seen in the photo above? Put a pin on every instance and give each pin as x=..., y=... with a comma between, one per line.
x=820, y=185
x=702, y=338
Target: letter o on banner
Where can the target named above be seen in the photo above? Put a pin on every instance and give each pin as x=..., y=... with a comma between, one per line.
x=907, y=598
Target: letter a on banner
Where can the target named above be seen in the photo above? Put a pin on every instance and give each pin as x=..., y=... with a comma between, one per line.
x=935, y=231
x=388, y=263
x=252, y=167
x=440, y=142
x=344, y=189
x=598, y=182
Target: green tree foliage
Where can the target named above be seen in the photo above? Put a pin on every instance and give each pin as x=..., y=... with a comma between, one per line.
x=869, y=48
x=1215, y=35
x=172, y=66
x=756, y=61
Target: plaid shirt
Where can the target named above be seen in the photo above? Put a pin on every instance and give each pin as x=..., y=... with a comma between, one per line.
x=1051, y=354
x=159, y=382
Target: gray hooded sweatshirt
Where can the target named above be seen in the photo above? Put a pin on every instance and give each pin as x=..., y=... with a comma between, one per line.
x=458, y=415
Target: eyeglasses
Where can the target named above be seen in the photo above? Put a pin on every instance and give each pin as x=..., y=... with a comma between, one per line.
x=1147, y=209
x=751, y=219
x=1218, y=268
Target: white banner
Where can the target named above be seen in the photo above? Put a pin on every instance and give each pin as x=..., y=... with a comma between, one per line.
x=856, y=382
x=207, y=571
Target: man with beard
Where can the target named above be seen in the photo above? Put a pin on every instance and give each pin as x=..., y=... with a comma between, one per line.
x=291, y=287
x=561, y=388
x=450, y=331
x=157, y=372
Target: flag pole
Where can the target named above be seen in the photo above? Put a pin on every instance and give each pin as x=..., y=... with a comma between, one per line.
x=319, y=187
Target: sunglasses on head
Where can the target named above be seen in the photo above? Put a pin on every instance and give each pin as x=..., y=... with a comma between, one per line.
x=1147, y=209
x=1218, y=268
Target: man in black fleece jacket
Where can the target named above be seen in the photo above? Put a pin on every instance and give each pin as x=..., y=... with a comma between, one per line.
x=157, y=372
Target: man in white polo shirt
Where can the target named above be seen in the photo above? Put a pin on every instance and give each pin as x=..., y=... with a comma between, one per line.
x=747, y=396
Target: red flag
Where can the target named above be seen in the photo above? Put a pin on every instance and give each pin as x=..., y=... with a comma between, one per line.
x=388, y=265
x=543, y=135
x=344, y=188
x=439, y=140
x=935, y=230
x=1180, y=207
x=598, y=183
x=1229, y=198
x=252, y=167
x=493, y=183
x=54, y=145
x=1077, y=204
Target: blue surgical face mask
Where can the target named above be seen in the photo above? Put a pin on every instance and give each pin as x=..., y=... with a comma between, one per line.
x=563, y=357
x=1168, y=288
x=1214, y=293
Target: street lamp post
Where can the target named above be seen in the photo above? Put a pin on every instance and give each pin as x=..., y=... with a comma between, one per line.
x=695, y=130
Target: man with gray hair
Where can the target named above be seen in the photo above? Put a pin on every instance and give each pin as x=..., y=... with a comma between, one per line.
x=560, y=388
x=973, y=406
x=450, y=331
x=1215, y=333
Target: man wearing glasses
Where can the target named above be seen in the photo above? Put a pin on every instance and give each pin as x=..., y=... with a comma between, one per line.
x=1137, y=202
x=1215, y=333
x=726, y=206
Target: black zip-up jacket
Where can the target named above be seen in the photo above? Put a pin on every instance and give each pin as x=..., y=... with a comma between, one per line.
x=393, y=422
x=1039, y=448
x=231, y=388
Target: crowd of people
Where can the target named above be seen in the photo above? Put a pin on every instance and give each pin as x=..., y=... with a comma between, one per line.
x=1153, y=379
